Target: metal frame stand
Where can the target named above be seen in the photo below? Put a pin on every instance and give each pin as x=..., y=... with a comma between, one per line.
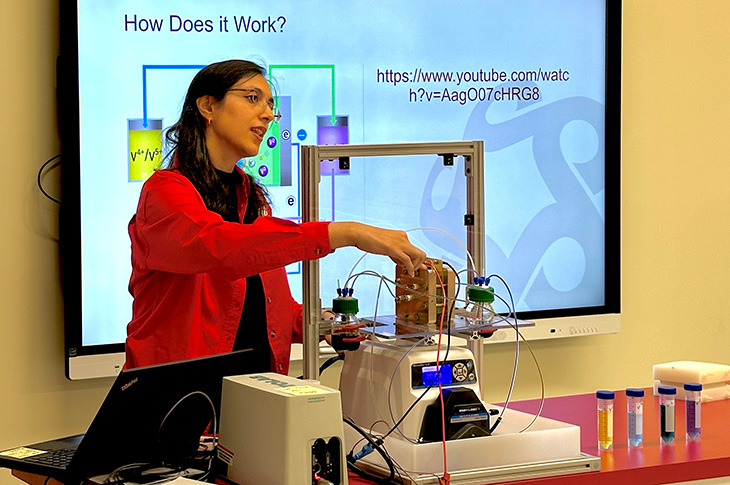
x=312, y=155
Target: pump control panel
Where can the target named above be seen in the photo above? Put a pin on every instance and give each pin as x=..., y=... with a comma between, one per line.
x=458, y=372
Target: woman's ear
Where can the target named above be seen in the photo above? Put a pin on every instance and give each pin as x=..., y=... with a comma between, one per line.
x=206, y=105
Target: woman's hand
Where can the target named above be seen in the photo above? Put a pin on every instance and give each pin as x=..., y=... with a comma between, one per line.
x=376, y=240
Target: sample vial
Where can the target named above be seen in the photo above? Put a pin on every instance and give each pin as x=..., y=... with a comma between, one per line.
x=635, y=421
x=666, y=413
x=605, y=419
x=692, y=391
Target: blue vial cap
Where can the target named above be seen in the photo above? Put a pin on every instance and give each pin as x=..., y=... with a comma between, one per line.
x=604, y=394
x=635, y=392
x=692, y=386
x=667, y=390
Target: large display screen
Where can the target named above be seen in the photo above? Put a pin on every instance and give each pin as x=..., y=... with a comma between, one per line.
x=536, y=80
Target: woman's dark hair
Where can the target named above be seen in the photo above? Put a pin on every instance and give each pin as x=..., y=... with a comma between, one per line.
x=188, y=152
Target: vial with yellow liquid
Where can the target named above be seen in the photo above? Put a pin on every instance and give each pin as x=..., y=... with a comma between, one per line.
x=605, y=419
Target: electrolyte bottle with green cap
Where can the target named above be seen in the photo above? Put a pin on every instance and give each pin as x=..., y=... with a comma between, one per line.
x=345, y=326
x=479, y=310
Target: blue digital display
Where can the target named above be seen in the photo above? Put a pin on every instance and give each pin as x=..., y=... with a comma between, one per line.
x=430, y=374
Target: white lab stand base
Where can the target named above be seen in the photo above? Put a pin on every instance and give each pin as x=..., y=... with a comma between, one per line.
x=548, y=448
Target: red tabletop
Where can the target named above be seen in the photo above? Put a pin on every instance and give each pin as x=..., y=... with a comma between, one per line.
x=652, y=464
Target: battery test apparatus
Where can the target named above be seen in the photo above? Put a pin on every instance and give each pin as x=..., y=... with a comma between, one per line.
x=417, y=399
x=409, y=395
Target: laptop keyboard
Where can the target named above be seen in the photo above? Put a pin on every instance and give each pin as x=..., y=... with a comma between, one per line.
x=59, y=458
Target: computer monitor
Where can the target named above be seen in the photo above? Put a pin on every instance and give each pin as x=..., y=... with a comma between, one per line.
x=538, y=81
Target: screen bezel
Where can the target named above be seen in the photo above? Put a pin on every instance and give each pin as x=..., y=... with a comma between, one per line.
x=84, y=361
x=594, y=320
x=612, y=178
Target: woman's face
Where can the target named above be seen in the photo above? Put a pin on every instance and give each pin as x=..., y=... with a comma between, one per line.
x=237, y=123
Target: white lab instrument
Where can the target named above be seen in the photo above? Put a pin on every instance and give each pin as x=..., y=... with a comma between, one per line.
x=283, y=430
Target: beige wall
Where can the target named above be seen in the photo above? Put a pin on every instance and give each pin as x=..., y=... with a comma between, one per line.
x=675, y=214
x=36, y=400
x=676, y=221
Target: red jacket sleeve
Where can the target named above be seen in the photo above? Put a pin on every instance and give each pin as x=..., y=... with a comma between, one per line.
x=176, y=233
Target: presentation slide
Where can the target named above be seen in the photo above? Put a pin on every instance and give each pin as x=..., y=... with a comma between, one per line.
x=527, y=77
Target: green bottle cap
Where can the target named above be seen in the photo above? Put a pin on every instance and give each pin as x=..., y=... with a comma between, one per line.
x=481, y=294
x=345, y=304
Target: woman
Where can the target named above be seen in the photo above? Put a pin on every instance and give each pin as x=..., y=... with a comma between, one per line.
x=207, y=257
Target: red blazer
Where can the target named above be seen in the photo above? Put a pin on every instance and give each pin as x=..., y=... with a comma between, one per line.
x=189, y=268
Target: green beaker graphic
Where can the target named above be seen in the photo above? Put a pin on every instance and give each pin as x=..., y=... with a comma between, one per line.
x=145, y=147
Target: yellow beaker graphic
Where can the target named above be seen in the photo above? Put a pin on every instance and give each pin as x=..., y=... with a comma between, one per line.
x=145, y=147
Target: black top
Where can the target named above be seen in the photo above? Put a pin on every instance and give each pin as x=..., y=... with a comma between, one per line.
x=252, y=330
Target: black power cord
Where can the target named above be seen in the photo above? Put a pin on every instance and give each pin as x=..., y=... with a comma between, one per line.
x=376, y=445
x=40, y=174
x=328, y=363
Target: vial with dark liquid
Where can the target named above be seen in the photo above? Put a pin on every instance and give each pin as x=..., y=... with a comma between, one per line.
x=666, y=414
x=692, y=393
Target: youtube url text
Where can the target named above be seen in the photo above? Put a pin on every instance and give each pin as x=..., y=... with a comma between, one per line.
x=469, y=86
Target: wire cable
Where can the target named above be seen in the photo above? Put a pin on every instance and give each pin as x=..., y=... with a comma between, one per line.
x=511, y=308
x=376, y=446
x=215, y=424
x=390, y=387
x=382, y=279
x=151, y=473
x=468, y=254
x=40, y=174
x=518, y=336
x=441, y=392
x=372, y=347
x=329, y=362
x=542, y=385
x=438, y=374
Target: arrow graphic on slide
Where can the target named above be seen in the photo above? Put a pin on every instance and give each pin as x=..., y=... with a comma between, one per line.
x=331, y=67
x=145, y=67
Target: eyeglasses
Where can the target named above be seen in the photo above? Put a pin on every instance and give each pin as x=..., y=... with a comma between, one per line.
x=256, y=98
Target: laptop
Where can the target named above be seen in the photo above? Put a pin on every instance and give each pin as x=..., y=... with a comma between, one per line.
x=152, y=416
